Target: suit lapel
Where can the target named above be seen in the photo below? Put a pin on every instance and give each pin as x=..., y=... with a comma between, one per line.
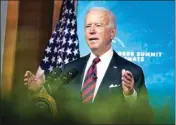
x=76, y=84
x=81, y=68
x=111, y=77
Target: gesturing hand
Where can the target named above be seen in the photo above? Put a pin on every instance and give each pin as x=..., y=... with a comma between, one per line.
x=127, y=82
x=32, y=82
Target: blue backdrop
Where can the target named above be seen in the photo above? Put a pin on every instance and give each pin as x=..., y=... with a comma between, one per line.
x=145, y=36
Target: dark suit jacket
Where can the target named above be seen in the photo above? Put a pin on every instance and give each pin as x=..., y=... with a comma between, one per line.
x=109, y=105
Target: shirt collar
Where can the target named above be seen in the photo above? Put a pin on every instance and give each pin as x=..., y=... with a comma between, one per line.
x=104, y=58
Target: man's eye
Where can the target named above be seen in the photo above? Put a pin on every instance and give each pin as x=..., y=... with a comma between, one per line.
x=98, y=25
x=87, y=26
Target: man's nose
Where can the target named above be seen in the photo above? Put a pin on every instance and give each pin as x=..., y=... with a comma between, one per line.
x=92, y=30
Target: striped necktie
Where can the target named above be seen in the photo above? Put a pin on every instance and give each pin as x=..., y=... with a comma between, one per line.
x=90, y=82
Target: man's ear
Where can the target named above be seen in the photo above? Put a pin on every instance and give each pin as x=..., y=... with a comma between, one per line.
x=113, y=32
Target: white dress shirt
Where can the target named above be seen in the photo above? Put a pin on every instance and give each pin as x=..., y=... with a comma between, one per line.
x=101, y=70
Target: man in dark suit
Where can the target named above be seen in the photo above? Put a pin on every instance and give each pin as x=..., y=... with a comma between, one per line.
x=107, y=88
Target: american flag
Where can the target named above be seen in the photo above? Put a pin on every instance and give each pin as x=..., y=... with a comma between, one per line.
x=63, y=46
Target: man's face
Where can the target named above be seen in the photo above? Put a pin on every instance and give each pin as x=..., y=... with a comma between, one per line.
x=97, y=31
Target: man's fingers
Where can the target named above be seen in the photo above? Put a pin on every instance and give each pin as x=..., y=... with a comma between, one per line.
x=25, y=83
x=126, y=80
x=29, y=73
x=123, y=72
x=25, y=75
x=129, y=73
x=26, y=80
x=126, y=85
x=126, y=76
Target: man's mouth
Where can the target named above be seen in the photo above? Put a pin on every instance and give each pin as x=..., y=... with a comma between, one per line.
x=93, y=39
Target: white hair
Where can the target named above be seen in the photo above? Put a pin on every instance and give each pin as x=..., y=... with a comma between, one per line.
x=112, y=19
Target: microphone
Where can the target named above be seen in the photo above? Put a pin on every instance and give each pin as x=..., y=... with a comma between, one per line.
x=54, y=74
x=67, y=77
x=51, y=79
x=95, y=76
x=56, y=79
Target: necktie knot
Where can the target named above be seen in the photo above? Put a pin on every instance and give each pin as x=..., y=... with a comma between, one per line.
x=96, y=60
